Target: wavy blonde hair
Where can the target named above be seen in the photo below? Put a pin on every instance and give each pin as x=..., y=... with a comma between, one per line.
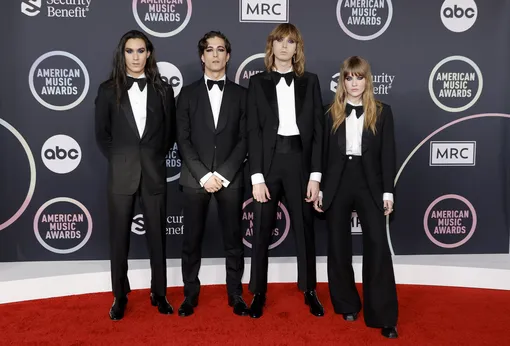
x=355, y=66
x=281, y=31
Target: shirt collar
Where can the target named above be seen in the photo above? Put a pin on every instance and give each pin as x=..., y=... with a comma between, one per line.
x=223, y=78
x=141, y=76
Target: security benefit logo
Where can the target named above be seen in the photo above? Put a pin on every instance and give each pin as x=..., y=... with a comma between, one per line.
x=278, y=234
x=455, y=83
x=173, y=164
x=459, y=15
x=264, y=11
x=382, y=83
x=162, y=18
x=56, y=8
x=174, y=225
x=63, y=225
x=444, y=153
x=251, y=66
x=59, y=80
x=61, y=154
x=364, y=19
x=450, y=221
x=171, y=75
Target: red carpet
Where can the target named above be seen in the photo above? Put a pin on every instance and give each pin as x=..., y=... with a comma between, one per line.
x=428, y=316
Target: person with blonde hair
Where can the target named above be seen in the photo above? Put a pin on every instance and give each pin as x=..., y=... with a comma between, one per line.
x=285, y=126
x=359, y=170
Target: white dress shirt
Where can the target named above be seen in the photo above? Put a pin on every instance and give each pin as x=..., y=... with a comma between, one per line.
x=138, y=101
x=353, y=138
x=287, y=116
x=215, y=97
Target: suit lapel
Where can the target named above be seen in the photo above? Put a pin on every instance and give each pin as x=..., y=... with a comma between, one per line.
x=365, y=138
x=225, y=102
x=204, y=101
x=270, y=90
x=128, y=113
x=299, y=93
x=342, y=135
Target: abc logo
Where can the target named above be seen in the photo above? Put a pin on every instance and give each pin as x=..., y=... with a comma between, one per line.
x=459, y=15
x=171, y=75
x=61, y=154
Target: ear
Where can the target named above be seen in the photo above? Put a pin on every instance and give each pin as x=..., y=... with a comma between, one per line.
x=202, y=58
x=228, y=57
x=148, y=54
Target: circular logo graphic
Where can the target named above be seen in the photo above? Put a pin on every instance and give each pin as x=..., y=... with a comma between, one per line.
x=173, y=164
x=450, y=221
x=59, y=80
x=455, y=83
x=280, y=232
x=138, y=226
x=171, y=75
x=31, y=163
x=63, y=225
x=459, y=15
x=364, y=20
x=162, y=18
x=61, y=154
x=251, y=66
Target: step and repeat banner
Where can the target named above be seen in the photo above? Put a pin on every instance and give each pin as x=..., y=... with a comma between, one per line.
x=443, y=66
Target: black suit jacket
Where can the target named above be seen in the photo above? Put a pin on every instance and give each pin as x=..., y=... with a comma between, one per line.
x=204, y=148
x=377, y=156
x=129, y=155
x=263, y=121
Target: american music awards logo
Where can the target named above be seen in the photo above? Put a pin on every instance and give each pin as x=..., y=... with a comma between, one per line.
x=364, y=20
x=162, y=18
x=249, y=67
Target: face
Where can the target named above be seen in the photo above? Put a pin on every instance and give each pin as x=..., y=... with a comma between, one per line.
x=136, y=55
x=354, y=86
x=215, y=56
x=284, y=49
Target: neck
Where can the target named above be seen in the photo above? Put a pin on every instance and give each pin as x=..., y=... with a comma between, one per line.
x=214, y=75
x=282, y=66
x=354, y=100
x=135, y=74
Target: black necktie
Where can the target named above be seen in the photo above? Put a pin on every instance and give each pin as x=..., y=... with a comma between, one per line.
x=210, y=84
x=142, y=82
x=349, y=108
x=277, y=76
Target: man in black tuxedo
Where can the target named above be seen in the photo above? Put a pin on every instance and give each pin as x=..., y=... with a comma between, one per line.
x=211, y=136
x=285, y=126
x=135, y=125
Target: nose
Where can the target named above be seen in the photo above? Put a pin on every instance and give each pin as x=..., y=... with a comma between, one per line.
x=215, y=53
x=284, y=44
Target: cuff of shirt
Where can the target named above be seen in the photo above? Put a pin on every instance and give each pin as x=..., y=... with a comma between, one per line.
x=205, y=178
x=387, y=196
x=316, y=176
x=224, y=181
x=321, y=195
x=257, y=178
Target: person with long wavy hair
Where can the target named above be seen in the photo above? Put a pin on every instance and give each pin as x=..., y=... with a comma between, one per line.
x=285, y=128
x=359, y=170
x=135, y=128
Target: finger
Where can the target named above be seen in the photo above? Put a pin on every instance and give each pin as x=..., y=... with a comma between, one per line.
x=267, y=193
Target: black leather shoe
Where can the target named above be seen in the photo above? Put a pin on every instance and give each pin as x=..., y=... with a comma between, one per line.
x=313, y=302
x=257, y=305
x=118, y=308
x=163, y=305
x=389, y=332
x=350, y=317
x=239, y=305
x=187, y=306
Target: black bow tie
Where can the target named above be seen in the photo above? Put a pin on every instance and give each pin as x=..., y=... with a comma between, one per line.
x=210, y=83
x=142, y=82
x=349, y=108
x=277, y=76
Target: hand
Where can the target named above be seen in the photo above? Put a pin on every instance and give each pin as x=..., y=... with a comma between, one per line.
x=388, y=207
x=312, y=191
x=261, y=193
x=317, y=204
x=213, y=184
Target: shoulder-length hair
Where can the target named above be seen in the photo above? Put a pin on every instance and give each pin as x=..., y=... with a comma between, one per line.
x=355, y=66
x=281, y=31
x=118, y=74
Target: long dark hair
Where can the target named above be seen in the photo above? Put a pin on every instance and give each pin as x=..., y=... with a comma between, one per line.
x=118, y=75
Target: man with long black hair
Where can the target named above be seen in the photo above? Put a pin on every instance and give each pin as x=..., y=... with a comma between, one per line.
x=135, y=126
